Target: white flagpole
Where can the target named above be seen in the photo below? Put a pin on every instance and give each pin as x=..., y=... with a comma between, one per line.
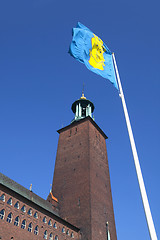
x=147, y=210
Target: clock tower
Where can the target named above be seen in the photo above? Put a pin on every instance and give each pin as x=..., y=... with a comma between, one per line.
x=81, y=181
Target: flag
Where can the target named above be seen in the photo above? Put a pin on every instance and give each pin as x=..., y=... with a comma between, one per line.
x=89, y=49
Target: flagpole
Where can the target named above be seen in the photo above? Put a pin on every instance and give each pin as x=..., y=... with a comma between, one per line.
x=147, y=210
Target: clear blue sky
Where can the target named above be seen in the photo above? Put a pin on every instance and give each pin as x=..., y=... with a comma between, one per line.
x=39, y=81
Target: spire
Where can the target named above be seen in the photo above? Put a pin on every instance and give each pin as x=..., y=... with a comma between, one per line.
x=83, y=97
x=82, y=108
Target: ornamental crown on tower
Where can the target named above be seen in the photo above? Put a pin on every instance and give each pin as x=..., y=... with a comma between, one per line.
x=82, y=108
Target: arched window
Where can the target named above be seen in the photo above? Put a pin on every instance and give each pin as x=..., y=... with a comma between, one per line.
x=55, y=225
x=44, y=220
x=16, y=205
x=23, y=225
x=9, y=218
x=36, y=215
x=2, y=214
x=30, y=212
x=45, y=234
x=67, y=232
x=51, y=236
x=63, y=230
x=23, y=209
x=36, y=230
x=72, y=235
x=50, y=223
x=16, y=221
x=30, y=227
x=2, y=198
x=56, y=237
x=9, y=201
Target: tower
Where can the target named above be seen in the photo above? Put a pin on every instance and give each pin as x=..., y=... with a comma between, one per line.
x=81, y=179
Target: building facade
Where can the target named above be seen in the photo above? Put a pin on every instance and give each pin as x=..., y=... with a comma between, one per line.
x=80, y=203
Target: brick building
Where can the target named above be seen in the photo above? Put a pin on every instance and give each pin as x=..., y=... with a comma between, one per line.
x=79, y=205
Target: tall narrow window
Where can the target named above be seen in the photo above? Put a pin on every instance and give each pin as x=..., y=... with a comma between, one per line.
x=16, y=205
x=30, y=227
x=51, y=236
x=36, y=230
x=2, y=198
x=2, y=214
x=63, y=230
x=9, y=218
x=56, y=237
x=72, y=235
x=16, y=221
x=45, y=234
x=9, y=201
x=44, y=220
x=36, y=215
x=55, y=225
x=23, y=209
x=50, y=223
x=67, y=232
x=23, y=225
x=107, y=231
x=30, y=212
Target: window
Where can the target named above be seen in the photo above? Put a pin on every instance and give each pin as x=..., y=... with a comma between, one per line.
x=72, y=235
x=23, y=209
x=23, y=226
x=9, y=218
x=30, y=212
x=51, y=236
x=67, y=232
x=36, y=230
x=9, y=201
x=55, y=225
x=36, y=215
x=16, y=205
x=56, y=237
x=2, y=214
x=50, y=223
x=63, y=230
x=2, y=198
x=44, y=220
x=45, y=235
x=16, y=221
x=30, y=227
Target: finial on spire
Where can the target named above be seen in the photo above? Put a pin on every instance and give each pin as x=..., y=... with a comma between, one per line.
x=83, y=97
x=30, y=188
x=83, y=88
x=51, y=188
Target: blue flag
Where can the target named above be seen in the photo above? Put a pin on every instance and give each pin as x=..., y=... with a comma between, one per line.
x=89, y=49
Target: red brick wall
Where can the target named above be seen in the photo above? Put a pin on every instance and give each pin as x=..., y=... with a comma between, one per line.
x=100, y=190
x=81, y=180
x=10, y=231
x=71, y=177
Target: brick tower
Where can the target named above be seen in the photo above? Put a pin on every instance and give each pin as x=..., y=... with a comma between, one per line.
x=81, y=179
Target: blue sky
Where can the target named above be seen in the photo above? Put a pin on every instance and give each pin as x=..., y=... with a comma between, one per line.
x=39, y=81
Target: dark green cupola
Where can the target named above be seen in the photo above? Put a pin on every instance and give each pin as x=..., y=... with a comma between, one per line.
x=82, y=108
